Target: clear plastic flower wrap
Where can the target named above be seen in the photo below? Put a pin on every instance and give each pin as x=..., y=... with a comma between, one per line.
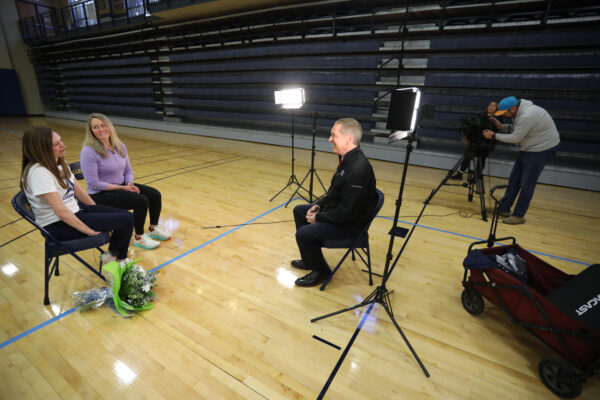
x=91, y=298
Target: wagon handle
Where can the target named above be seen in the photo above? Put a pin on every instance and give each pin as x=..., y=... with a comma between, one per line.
x=494, y=188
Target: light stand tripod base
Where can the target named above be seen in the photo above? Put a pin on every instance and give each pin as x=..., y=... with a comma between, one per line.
x=292, y=180
x=380, y=296
x=312, y=171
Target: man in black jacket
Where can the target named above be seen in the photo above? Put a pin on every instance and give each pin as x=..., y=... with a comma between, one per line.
x=343, y=211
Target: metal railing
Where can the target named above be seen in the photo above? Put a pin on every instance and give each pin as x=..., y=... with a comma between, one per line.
x=83, y=16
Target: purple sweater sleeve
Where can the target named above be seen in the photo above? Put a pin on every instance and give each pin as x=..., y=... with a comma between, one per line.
x=89, y=167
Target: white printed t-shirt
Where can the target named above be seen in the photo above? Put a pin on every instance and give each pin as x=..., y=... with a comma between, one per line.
x=41, y=181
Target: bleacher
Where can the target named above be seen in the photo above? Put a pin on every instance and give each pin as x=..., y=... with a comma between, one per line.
x=348, y=56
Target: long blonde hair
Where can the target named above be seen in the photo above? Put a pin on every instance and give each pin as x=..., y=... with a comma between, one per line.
x=37, y=148
x=91, y=140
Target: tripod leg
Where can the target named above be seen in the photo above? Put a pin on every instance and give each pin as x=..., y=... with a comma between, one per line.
x=480, y=187
x=297, y=189
x=388, y=310
x=368, y=300
x=447, y=177
x=321, y=182
x=471, y=180
x=287, y=185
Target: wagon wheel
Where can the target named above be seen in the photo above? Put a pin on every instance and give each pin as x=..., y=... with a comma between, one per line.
x=559, y=377
x=472, y=301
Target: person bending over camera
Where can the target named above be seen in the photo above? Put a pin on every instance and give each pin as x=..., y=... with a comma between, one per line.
x=535, y=133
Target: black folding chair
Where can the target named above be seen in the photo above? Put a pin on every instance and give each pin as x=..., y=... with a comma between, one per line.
x=357, y=244
x=55, y=248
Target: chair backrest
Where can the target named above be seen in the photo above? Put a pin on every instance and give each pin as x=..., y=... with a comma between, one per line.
x=380, y=199
x=362, y=238
x=21, y=205
x=76, y=169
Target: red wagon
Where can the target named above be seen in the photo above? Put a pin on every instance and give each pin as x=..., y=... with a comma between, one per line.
x=562, y=310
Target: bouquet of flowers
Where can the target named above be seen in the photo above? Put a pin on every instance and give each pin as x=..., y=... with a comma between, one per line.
x=131, y=289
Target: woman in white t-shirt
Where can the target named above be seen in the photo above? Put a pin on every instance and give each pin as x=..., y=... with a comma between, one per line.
x=53, y=193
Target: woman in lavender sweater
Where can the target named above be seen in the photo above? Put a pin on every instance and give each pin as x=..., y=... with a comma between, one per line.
x=106, y=168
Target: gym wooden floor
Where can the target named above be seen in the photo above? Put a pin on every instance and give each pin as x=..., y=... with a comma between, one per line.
x=229, y=323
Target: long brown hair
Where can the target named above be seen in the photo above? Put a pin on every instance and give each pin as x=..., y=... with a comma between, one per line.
x=91, y=140
x=37, y=148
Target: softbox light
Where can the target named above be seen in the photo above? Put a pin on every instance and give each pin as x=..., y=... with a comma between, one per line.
x=402, y=115
x=290, y=98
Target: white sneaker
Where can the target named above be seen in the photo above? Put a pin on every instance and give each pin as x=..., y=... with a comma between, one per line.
x=145, y=242
x=106, y=257
x=159, y=234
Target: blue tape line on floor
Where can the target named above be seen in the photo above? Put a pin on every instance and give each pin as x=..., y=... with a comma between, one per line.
x=478, y=239
x=43, y=324
x=36, y=328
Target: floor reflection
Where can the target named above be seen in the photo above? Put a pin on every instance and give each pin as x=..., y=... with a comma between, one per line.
x=125, y=374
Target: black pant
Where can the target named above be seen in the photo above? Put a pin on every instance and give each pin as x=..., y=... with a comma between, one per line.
x=312, y=237
x=102, y=219
x=147, y=198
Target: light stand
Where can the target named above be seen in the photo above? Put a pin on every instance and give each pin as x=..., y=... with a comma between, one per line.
x=290, y=99
x=312, y=171
x=404, y=101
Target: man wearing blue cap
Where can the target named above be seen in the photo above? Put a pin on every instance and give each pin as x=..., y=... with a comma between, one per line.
x=535, y=133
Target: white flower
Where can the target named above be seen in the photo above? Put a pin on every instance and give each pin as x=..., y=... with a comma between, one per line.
x=146, y=288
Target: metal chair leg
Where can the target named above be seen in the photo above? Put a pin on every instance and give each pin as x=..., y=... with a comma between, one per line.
x=47, y=275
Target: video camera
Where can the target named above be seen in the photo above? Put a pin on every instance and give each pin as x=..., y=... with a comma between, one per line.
x=472, y=127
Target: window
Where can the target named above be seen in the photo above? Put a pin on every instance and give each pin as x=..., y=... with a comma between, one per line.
x=83, y=13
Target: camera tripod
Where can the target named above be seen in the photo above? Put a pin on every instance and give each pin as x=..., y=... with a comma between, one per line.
x=473, y=158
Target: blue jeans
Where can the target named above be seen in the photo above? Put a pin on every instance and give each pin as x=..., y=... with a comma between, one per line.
x=523, y=178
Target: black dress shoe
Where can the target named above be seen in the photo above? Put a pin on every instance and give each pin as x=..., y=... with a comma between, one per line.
x=312, y=279
x=300, y=265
